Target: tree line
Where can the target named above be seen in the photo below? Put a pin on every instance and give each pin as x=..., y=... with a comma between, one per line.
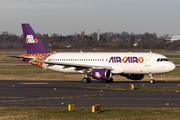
x=108, y=41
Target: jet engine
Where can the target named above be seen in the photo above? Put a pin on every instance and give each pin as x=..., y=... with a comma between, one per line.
x=101, y=74
x=134, y=76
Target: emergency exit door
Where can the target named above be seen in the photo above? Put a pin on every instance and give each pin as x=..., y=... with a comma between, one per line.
x=147, y=60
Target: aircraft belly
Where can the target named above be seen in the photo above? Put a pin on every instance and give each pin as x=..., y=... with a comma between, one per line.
x=133, y=69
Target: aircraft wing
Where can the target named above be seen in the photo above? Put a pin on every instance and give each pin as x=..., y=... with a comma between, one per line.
x=83, y=66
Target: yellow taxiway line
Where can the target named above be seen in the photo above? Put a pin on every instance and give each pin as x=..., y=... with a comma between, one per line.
x=34, y=83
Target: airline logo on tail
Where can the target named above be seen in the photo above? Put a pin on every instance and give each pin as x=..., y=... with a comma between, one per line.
x=30, y=39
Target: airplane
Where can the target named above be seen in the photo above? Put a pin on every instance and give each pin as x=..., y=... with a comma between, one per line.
x=99, y=66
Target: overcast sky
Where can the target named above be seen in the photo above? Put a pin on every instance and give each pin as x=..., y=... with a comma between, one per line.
x=67, y=17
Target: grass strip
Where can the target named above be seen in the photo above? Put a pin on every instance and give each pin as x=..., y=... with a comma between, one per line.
x=152, y=89
x=172, y=56
x=59, y=113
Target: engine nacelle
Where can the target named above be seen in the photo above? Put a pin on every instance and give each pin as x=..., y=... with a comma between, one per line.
x=134, y=76
x=101, y=74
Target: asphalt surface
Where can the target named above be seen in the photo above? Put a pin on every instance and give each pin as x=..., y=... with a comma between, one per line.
x=62, y=93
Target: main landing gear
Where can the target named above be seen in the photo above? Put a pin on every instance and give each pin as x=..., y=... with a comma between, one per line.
x=152, y=78
x=86, y=80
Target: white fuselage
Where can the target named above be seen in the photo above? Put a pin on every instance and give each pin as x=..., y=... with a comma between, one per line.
x=120, y=63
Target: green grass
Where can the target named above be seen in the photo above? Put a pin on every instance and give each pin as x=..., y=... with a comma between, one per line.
x=172, y=56
x=30, y=72
x=59, y=113
x=175, y=61
x=152, y=89
x=22, y=69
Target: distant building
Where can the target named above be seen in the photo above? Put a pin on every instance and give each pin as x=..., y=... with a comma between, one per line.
x=172, y=38
x=136, y=42
x=50, y=44
x=98, y=34
x=82, y=34
x=119, y=38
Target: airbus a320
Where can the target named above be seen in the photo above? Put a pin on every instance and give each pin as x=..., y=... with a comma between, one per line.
x=100, y=66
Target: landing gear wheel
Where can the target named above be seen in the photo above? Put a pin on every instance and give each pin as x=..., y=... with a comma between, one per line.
x=152, y=81
x=152, y=78
x=109, y=81
x=89, y=80
x=86, y=80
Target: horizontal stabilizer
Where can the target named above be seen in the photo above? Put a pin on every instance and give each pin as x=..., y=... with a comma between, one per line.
x=32, y=59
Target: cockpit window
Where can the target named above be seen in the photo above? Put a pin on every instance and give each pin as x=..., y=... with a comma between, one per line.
x=165, y=59
x=162, y=59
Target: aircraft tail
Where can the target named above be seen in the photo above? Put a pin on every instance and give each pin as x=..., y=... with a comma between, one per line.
x=32, y=42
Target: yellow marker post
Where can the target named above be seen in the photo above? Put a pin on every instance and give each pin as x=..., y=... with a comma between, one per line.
x=96, y=108
x=131, y=86
x=70, y=107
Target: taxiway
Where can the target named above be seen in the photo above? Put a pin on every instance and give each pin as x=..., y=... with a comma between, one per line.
x=62, y=93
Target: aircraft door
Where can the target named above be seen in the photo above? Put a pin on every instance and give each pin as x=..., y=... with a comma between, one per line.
x=147, y=60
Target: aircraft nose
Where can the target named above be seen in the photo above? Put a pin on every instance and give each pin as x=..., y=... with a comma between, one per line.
x=172, y=67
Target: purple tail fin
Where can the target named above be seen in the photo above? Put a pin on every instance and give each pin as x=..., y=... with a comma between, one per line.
x=33, y=44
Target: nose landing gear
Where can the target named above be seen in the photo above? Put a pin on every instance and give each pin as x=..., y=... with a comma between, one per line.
x=152, y=78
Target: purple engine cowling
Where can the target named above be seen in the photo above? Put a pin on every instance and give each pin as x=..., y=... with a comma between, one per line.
x=101, y=74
